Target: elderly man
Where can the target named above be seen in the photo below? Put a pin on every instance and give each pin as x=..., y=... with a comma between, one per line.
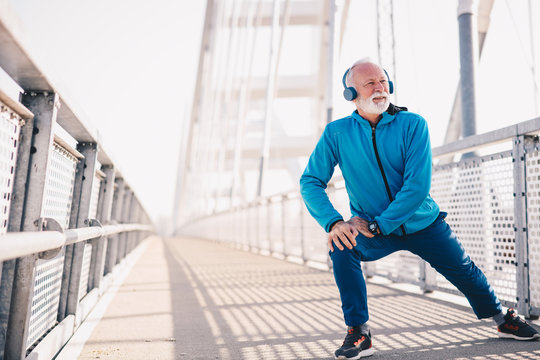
x=384, y=154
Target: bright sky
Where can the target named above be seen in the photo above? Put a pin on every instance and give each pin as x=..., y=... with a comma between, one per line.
x=130, y=66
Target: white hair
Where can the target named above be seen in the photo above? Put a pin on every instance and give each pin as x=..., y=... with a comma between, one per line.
x=348, y=78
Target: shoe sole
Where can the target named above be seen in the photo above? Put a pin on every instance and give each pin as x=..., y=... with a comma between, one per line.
x=364, y=353
x=511, y=336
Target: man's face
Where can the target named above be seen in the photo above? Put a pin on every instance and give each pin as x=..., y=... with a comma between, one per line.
x=371, y=85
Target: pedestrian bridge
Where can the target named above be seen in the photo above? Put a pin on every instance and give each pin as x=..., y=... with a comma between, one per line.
x=84, y=275
x=187, y=298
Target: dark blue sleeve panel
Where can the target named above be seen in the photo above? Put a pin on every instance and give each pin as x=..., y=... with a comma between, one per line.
x=315, y=178
x=416, y=179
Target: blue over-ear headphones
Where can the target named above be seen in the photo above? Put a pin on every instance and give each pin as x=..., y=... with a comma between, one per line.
x=350, y=93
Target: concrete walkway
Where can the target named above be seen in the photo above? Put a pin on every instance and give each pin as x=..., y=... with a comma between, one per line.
x=194, y=299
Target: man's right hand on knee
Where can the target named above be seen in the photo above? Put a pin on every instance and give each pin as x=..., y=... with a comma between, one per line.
x=345, y=232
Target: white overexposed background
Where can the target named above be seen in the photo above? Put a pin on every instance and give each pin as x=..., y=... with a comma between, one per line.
x=131, y=66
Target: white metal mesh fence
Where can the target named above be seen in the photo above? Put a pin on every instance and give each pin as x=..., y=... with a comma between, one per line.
x=9, y=135
x=276, y=226
x=263, y=228
x=94, y=198
x=48, y=273
x=85, y=271
x=48, y=276
x=478, y=193
x=478, y=196
x=292, y=221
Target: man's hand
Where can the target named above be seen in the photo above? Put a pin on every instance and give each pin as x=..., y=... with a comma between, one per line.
x=362, y=226
x=346, y=231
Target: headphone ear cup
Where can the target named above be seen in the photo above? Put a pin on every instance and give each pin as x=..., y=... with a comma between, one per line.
x=349, y=94
x=390, y=83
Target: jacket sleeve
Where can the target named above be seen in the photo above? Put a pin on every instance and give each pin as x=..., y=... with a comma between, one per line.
x=315, y=178
x=416, y=180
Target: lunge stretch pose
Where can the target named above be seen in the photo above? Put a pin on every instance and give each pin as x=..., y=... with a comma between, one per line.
x=384, y=154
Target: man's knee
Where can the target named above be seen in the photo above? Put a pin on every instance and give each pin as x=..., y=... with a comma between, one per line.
x=344, y=256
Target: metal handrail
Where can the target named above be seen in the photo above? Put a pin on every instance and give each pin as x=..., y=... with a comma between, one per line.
x=18, y=244
x=474, y=142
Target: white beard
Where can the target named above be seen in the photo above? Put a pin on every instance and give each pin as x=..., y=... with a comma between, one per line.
x=370, y=107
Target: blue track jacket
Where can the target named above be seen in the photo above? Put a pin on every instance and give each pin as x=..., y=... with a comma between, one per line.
x=387, y=171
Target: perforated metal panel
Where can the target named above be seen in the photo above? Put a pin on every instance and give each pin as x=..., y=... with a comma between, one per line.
x=292, y=217
x=94, y=198
x=314, y=238
x=252, y=231
x=276, y=226
x=263, y=229
x=48, y=274
x=240, y=226
x=478, y=196
x=533, y=221
x=225, y=228
x=9, y=136
x=85, y=270
x=59, y=185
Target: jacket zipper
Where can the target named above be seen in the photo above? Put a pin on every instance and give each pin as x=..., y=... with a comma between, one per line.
x=373, y=139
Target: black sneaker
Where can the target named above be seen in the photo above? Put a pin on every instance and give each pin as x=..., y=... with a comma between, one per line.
x=515, y=327
x=356, y=345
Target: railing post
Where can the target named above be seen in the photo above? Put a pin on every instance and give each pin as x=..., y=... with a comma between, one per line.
x=104, y=215
x=126, y=212
x=45, y=107
x=116, y=211
x=131, y=215
x=520, y=226
x=82, y=193
x=134, y=218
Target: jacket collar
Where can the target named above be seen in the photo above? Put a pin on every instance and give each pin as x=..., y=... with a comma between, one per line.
x=387, y=116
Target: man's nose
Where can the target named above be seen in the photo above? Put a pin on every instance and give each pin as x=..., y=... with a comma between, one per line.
x=379, y=86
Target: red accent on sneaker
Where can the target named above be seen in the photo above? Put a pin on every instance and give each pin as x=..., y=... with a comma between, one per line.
x=359, y=341
x=511, y=327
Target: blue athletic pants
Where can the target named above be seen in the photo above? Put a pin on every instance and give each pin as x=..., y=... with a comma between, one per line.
x=437, y=244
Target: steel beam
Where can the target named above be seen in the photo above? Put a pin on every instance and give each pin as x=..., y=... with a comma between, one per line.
x=468, y=56
x=520, y=228
x=82, y=189
x=104, y=215
x=113, y=244
x=45, y=107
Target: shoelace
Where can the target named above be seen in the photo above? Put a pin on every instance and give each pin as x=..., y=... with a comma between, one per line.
x=515, y=317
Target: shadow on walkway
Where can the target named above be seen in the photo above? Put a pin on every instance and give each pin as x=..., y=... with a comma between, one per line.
x=230, y=304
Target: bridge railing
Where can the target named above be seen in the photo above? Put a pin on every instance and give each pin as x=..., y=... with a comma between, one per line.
x=490, y=186
x=68, y=218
